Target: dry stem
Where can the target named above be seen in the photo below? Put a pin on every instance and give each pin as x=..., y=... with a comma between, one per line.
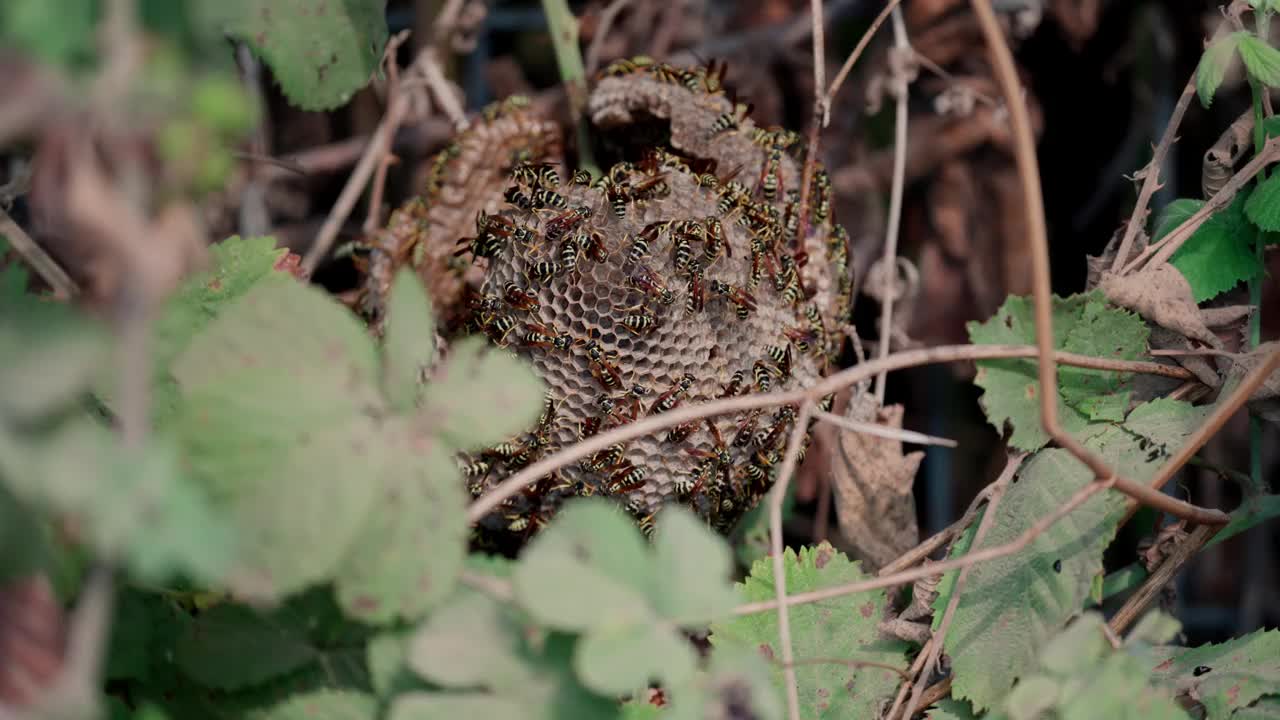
x=64, y=288
x=883, y=431
x=1142, y=597
x=777, y=497
x=607, y=18
x=858, y=49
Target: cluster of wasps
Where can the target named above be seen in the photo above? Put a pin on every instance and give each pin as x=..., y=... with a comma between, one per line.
x=554, y=238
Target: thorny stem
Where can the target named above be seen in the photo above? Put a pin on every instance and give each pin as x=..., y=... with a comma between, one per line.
x=564, y=39
x=889, y=260
x=394, y=114
x=1141, y=599
x=858, y=49
x=777, y=497
x=864, y=371
x=883, y=431
x=999, y=487
x=1151, y=175
x=913, y=574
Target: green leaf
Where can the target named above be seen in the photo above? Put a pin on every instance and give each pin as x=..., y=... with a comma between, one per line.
x=470, y=642
x=481, y=396
x=1268, y=708
x=280, y=401
x=1081, y=323
x=622, y=659
x=1225, y=676
x=411, y=340
x=641, y=710
x=736, y=683
x=1220, y=253
x=1213, y=65
x=320, y=51
x=1252, y=512
x=692, y=568
x=59, y=32
x=1173, y=215
x=323, y=705
x=844, y=628
x=1154, y=628
x=1263, y=205
x=588, y=569
x=1262, y=60
x=387, y=660
x=1037, y=589
x=237, y=264
x=409, y=554
x=446, y=706
x=230, y=647
x=950, y=710
x=51, y=354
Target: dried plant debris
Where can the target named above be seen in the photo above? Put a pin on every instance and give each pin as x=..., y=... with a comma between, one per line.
x=1162, y=296
x=677, y=276
x=873, y=480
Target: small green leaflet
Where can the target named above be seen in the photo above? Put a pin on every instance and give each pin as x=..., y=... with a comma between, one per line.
x=322, y=705
x=844, y=628
x=410, y=340
x=1081, y=323
x=1037, y=589
x=1220, y=253
x=949, y=709
x=1213, y=65
x=1262, y=60
x=736, y=684
x=1225, y=676
x=320, y=51
x=1263, y=205
x=481, y=396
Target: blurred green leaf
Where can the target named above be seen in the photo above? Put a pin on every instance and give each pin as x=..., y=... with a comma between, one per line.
x=59, y=32
x=410, y=340
x=846, y=628
x=1268, y=708
x=1226, y=676
x=950, y=710
x=736, y=683
x=481, y=396
x=322, y=705
x=692, y=570
x=469, y=642
x=388, y=670
x=1213, y=65
x=230, y=647
x=625, y=658
x=320, y=51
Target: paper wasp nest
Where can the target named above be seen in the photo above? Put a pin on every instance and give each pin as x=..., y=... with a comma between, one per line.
x=674, y=278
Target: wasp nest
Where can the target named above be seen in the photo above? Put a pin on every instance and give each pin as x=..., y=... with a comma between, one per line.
x=676, y=277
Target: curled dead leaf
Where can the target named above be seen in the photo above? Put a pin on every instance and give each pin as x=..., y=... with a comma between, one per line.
x=1163, y=296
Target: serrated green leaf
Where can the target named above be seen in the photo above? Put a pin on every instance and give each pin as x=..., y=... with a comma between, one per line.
x=1262, y=60
x=626, y=658
x=1213, y=65
x=950, y=710
x=1037, y=589
x=409, y=554
x=1230, y=676
x=844, y=628
x=481, y=396
x=1081, y=323
x=1268, y=708
x=588, y=569
x=1173, y=215
x=692, y=568
x=320, y=52
x=1034, y=695
x=410, y=340
x=323, y=705
x=1263, y=205
x=736, y=683
x=230, y=647
x=1220, y=253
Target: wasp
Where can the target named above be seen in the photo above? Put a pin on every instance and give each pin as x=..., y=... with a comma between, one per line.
x=541, y=336
x=476, y=468
x=617, y=193
x=715, y=241
x=498, y=327
x=650, y=189
x=708, y=180
x=759, y=258
x=720, y=458
x=671, y=397
x=632, y=398
x=781, y=358
x=536, y=175
x=838, y=247
x=731, y=195
x=696, y=296
x=791, y=217
x=516, y=196
x=543, y=198
x=570, y=252
x=681, y=432
x=771, y=437
x=762, y=375
x=745, y=430
x=803, y=338
x=731, y=120
x=640, y=323
x=681, y=252
x=627, y=479
x=519, y=298
x=822, y=189
x=666, y=73
x=607, y=458
x=771, y=174
x=592, y=244
x=545, y=270
x=734, y=386
x=600, y=363
x=625, y=66
x=647, y=281
x=483, y=303
x=741, y=299
x=564, y=223
x=639, y=249
x=581, y=177
x=827, y=402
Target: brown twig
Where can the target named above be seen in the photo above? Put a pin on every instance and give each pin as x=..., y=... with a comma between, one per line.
x=916, y=666
x=64, y=288
x=1160, y=252
x=607, y=18
x=816, y=123
x=777, y=497
x=394, y=114
x=999, y=487
x=1163, y=574
x=942, y=537
x=852, y=664
x=1151, y=175
x=889, y=259
x=911, y=575
x=883, y=431
x=864, y=371
x=858, y=50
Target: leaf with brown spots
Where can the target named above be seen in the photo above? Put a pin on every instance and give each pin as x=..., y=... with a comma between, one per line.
x=1224, y=676
x=844, y=627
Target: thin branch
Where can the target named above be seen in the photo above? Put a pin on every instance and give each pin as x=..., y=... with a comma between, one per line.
x=822, y=108
x=851, y=664
x=1151, y=175
x=909, y=576
x=64, y=288
x=1160, y=252
x=883, y=431
x=889, y=260
x=1151, y=587
x=777, y=497
x=858, y=50
x=564, y=41
x=394, y=114
x=821, y=114
x=607, y=18
x=999, y=487
x=428, y=65
x=916, y=666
